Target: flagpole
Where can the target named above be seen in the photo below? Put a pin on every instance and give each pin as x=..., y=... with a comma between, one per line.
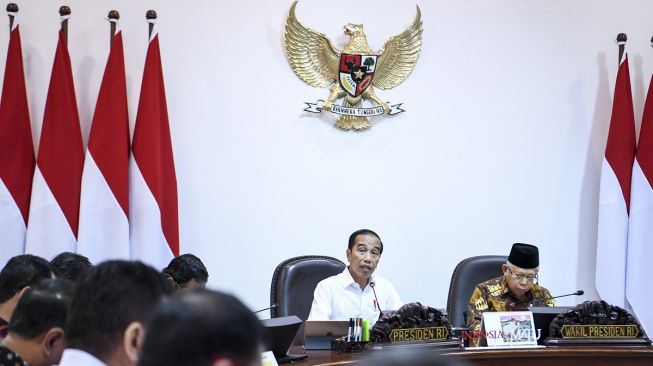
x=113, y=14
x=64, y=12
x=11, y=8
x=621, y=42
x=150, y=15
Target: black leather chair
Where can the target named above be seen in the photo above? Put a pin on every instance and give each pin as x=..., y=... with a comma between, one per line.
x=293, y=283
x=467, y=274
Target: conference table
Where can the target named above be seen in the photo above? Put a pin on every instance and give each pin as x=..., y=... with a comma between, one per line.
x=495, y=357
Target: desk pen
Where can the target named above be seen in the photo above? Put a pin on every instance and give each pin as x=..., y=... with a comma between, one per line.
x=351, y=325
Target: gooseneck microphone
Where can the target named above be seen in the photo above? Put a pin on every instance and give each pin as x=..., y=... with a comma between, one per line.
x=273, y=306
x=378, y=304
x=538, y=301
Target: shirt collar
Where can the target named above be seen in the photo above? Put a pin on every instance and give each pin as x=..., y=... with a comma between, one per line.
x=504, y=286
x=72, y=356
x=347, y=280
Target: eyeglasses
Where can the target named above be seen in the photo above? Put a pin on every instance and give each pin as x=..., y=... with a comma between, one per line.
x=374, y=253
x=520, y=278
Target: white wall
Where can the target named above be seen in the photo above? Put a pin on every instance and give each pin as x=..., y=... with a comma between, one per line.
x=506, y=123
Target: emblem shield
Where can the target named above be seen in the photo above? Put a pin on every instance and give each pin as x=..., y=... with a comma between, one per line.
x=356, y=72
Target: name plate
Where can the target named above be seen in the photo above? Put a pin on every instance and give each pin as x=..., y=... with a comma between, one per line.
x=508, y=328
x=419, y=334
x=599, y=331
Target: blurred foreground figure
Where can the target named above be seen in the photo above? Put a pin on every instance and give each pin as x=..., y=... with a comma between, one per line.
x=109, y=313
x=412, y=357
x=203, y=328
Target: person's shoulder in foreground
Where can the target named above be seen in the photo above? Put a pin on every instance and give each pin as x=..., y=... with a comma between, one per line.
x=411, y=356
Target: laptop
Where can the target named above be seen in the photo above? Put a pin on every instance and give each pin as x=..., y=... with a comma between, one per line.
x=319, y=333
x=281, y=332
x=542, y=317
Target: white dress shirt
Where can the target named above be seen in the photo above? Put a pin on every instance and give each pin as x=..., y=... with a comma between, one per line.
x=76, y=357
x=339, y=297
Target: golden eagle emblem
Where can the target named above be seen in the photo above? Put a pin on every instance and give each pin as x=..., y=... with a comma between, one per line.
x=354, y=71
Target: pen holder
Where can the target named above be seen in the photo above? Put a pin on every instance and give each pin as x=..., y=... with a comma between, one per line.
x=341, y=345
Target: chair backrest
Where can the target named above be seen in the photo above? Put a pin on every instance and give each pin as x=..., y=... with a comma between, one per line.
x=293, y=283
x=467, y=274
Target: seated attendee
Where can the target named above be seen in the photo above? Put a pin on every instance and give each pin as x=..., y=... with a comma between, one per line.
x=514, y=291
x=17, y=275
x=186, y=271
x=36, y=333
x=350, y=294
x=202, y=328
x=71, y=266
x=108, y=313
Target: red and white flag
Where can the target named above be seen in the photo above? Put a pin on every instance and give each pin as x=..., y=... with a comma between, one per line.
x=154, y=228
x=104, y=202
x=54, y=210
x=639, y=286
x=614, y=197
x=16, y=154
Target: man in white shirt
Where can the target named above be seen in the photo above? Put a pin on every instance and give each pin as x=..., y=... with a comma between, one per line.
x=110, y=309
x=351, y=294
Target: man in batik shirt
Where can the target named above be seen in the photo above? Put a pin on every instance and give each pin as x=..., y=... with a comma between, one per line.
x=516, y=290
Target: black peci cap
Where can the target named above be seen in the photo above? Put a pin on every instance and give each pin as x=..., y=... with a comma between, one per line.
x=524, y=256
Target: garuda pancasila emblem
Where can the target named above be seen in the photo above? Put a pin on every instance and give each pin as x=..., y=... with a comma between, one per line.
x=354, y=71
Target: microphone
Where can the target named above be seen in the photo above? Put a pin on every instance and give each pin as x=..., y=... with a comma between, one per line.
x=577, y=293
x=378, y=304
x=273, y=306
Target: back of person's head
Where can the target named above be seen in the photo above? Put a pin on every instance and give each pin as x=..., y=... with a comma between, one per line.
x=22, y=271
x=71, y=266
x=200, y=327
x=352, y=238
x=42, y=307
x=111, y=305
x=184, y=269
